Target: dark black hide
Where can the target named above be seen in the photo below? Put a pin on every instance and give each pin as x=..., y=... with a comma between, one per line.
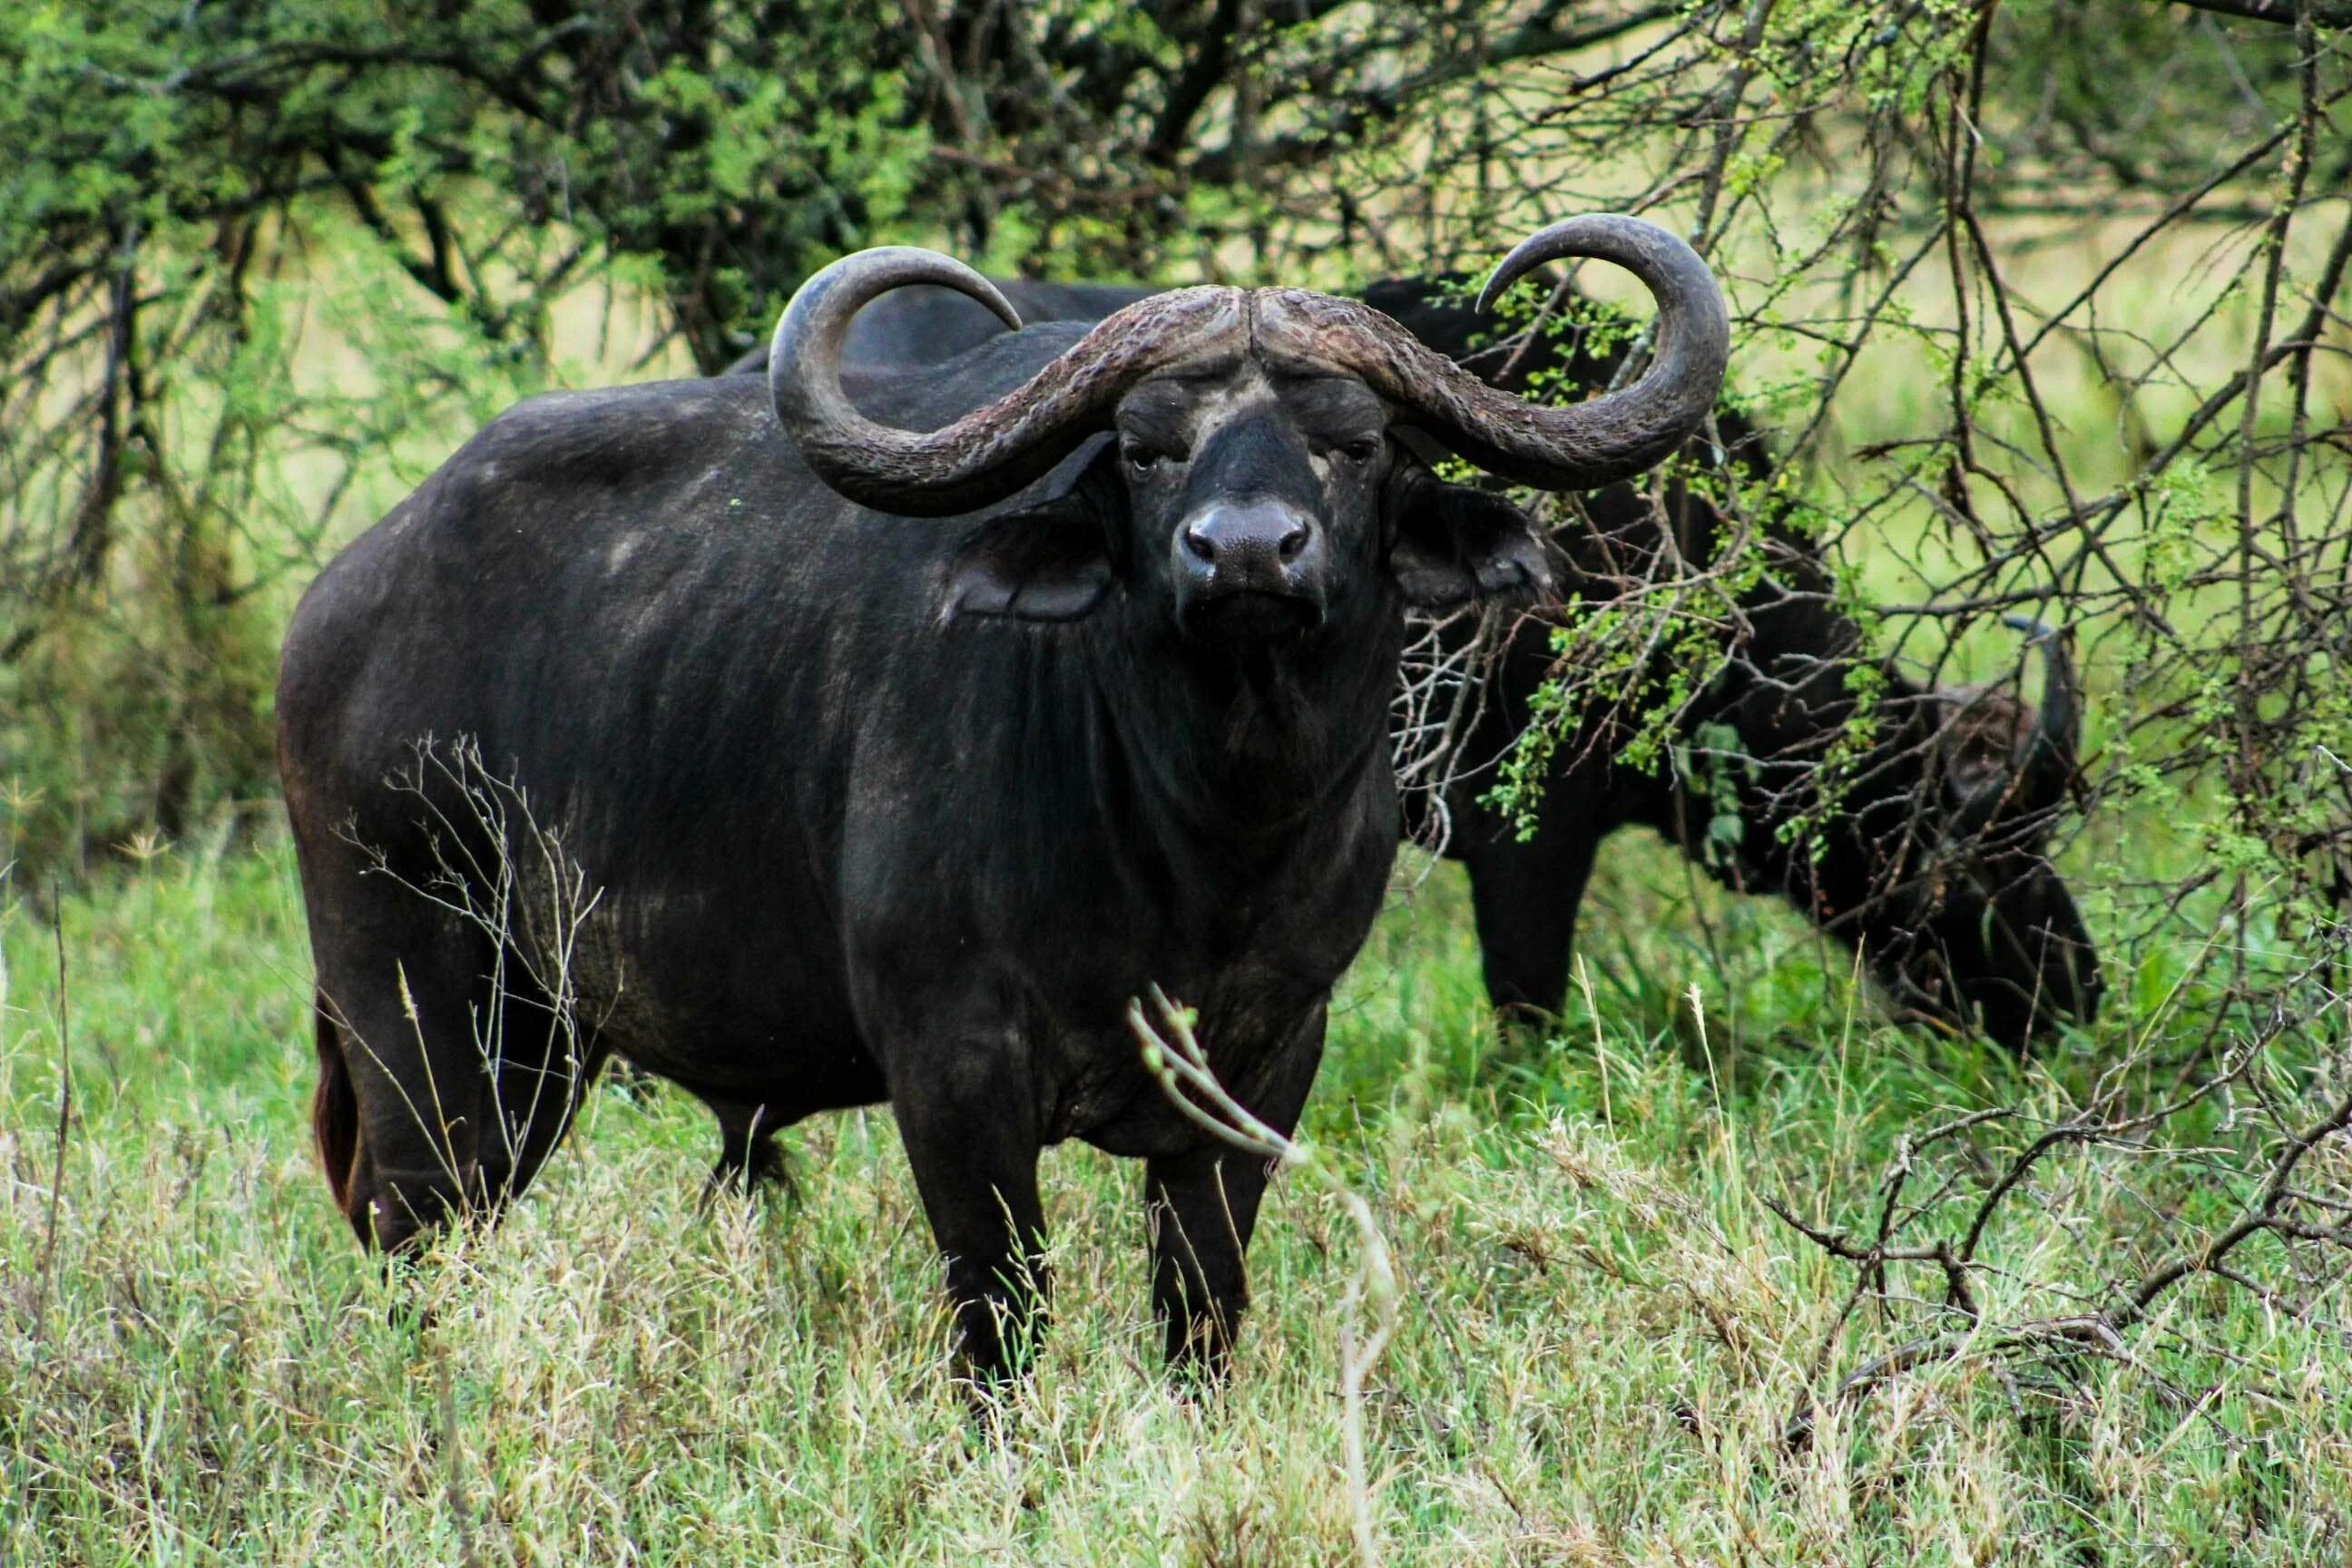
x=877, y=807
x=1958, y=911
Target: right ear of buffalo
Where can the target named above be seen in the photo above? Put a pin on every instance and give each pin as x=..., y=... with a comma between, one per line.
x=1048, y=561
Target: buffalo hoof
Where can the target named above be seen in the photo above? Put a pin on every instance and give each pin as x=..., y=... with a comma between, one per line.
x=742, y=1172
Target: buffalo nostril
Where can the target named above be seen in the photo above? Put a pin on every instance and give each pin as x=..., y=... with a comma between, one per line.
x=1247, y=537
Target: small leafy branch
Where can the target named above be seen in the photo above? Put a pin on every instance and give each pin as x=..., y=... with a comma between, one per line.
x=1368, y=1307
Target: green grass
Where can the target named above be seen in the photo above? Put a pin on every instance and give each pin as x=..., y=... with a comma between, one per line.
x=1602, y=1329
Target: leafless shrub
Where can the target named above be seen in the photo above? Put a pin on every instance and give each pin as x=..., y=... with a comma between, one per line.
x=1441, y=696
x=501, y=871
x=2176, y=1177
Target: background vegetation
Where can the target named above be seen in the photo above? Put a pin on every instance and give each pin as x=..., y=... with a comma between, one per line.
x=2042, y=305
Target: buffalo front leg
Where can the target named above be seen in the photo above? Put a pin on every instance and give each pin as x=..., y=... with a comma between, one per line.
x=1200, y=1209
x=748, y=1158
x=974, y=1155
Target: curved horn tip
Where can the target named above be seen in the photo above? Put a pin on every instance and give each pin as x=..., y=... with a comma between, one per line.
x=989, y=294
x=882, y=267
x=2059, y=724
x=1604, y=235
x=1619, y=433
x=804, y=353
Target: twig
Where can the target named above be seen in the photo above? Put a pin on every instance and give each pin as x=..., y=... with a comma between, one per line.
x=2102, y=1330
x=1177, y=1059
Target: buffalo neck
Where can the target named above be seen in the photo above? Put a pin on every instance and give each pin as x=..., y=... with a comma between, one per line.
x=1253, y=743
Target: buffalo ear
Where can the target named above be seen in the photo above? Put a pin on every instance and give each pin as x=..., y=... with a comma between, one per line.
x=1454, y=544
x=1051, y=559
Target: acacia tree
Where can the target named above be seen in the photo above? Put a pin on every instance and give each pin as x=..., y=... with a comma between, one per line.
x=256, y=258
x=2021, y=339
x=247, y=252
x=260, y=263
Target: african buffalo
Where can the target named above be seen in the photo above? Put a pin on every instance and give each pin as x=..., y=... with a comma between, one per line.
x=905, y=743
x=1934, y=859
x=1933, y=840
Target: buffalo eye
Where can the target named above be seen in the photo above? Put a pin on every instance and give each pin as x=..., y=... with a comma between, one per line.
x=1361, y=450
x=1141, y=458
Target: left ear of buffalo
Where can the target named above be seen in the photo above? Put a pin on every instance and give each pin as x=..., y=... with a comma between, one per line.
x=1454, y=544
x=1048, y=562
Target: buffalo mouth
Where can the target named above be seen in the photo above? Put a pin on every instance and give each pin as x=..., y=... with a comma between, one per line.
x=1251, y=614
x=2017, y=981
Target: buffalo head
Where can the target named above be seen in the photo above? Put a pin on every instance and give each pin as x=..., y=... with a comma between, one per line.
x=1967, y=917
x=1226, y=460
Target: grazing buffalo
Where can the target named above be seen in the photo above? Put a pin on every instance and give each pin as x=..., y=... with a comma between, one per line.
x=1933, y=842
x=904, y=740
x=1934, y=861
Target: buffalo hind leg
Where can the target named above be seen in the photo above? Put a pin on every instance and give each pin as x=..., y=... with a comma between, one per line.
x=538, y=1071
x=421, y=1119
x=398, y=1112
x=974, y=1155
x=1525, y=896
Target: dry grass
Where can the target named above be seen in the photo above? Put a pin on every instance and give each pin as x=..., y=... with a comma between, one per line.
x=1604, y=1330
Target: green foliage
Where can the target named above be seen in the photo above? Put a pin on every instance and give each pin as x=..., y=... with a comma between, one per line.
x=1711, y=766
x=259, y=265
x=1997, y=278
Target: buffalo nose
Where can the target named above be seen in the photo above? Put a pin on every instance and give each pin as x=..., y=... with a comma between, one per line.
x=1248, y=534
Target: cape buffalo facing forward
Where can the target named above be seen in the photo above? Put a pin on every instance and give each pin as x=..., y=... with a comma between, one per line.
x=886, y=807
x=1934, y=861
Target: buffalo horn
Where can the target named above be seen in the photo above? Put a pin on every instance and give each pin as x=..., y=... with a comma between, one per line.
x=994, y=451
x=2057, y=732
x=1584, y=446
x=991, y=452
